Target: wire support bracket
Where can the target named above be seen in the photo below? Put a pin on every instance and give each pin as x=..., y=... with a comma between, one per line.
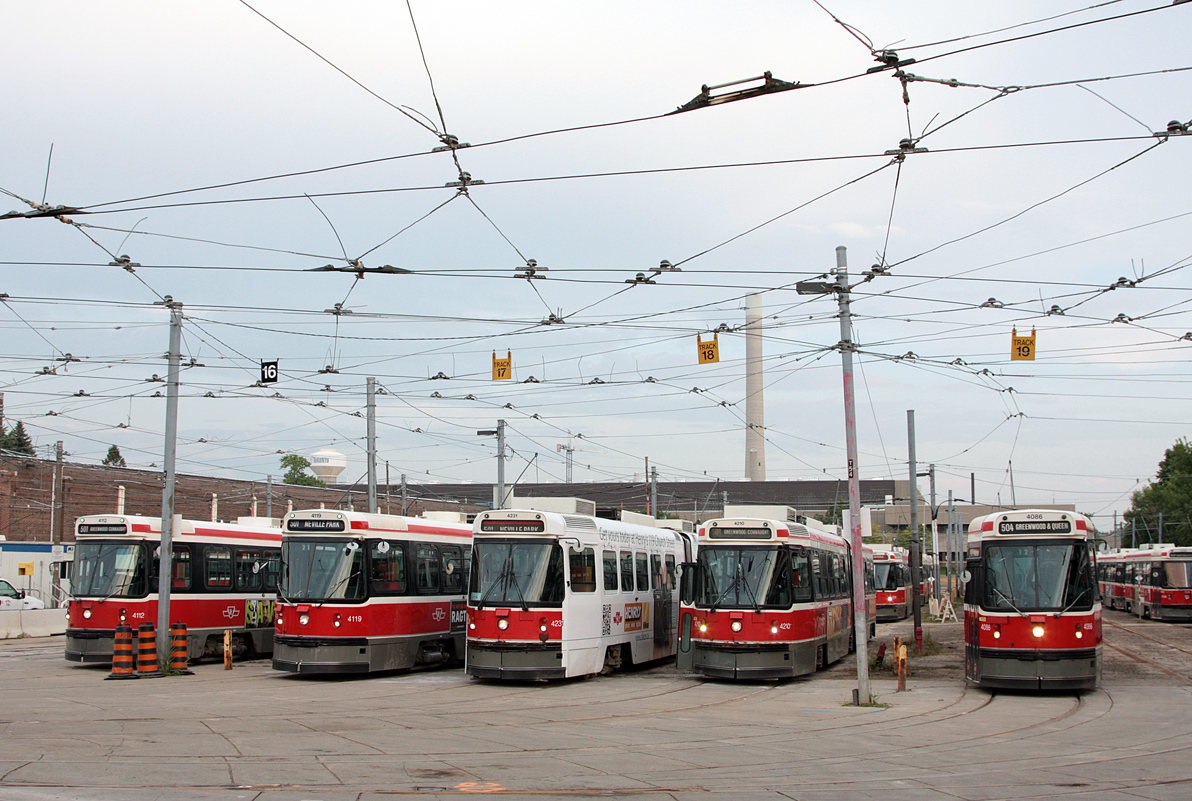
x=705, y=98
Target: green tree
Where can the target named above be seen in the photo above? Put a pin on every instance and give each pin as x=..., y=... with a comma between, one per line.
x=1169, y=495
x=114, y=459
x=16, y=441
x=296, y=467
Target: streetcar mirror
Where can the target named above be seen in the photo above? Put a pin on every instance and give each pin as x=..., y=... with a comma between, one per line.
x=350, y=547
x=382, y=547
x=966, y=576
x=256, y=568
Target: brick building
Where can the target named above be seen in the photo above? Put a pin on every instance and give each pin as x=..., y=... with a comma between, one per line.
x=31, y=509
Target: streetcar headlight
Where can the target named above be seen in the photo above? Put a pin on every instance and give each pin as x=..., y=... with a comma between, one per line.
x=1079, y=634
x=773, y=626
x=503, y=623
x=542, y=626
x=279, y=621
x=997, y=634
x=1037, y=631
x=735, y=625
x=303, y=619
x=890, y=599
x=472, y=625
x=336, y=621
x=703, y=627
x=87, y=615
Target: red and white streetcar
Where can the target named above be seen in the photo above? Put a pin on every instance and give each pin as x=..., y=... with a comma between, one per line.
x=1155, y=581
x=1032, y=614
x=366, y=592
x=560, y=595
x=769, y=599
x=224, y=577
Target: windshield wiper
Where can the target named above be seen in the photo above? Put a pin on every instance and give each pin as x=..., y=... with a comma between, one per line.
x=1007, y=600
x=757, y=607
x=506, y=577
x=736, y=582
x=1075, y=601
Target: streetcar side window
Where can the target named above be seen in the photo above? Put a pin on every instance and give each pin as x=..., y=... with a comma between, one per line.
x=271, y=568
x=643, y=572
x=426, y=567
x=583, y=570
x=180, y=578
x=801, y=575
x=219, y=568
x=453, y=570
x=610, y=571
x=387, y=571
x=248, y=578
x=817, y=575
x=972, y=587
x=668, y=576
x=626, y=571
x=656, y=570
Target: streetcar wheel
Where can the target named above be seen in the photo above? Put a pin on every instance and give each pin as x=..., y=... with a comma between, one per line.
x=612, y=659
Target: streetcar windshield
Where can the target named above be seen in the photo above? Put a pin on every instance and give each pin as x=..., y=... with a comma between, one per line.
x=520, y=573
x=109, y=570
x=743, y=578
x=322, y=570
x=890, y=576
x=1038, y=576
x=1177, y=575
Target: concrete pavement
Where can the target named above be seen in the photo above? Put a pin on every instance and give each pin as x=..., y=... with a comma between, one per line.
x=253, y=733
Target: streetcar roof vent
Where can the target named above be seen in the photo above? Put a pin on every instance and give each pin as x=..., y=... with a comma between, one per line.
x=586, y=523
x=563, y=506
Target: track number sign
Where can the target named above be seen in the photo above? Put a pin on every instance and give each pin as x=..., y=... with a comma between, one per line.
x=502, y=368
x=708, y=351
x=268, y=372
x=1022, y=348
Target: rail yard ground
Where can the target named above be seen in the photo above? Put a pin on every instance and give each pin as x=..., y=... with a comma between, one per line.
x=256, y=734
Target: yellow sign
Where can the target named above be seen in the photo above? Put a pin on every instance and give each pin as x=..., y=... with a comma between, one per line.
x=25, y=569
x=1022, y=349
x=502, y=368
x=708, y=351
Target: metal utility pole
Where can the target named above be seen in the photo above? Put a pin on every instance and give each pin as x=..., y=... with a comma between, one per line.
x=951, y=526
x=935, y=536
x=654, y=492
x=269, y=497
x=372, y=445
x=165, y=572
x=915, y=564
x=840, y=287
x=403, y=494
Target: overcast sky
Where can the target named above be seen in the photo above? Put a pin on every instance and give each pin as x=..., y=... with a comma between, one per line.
x=228, y=149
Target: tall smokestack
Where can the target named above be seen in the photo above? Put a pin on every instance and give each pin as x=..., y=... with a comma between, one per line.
x=755, y=417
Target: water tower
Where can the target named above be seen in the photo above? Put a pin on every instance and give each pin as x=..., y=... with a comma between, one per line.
x=328, y=464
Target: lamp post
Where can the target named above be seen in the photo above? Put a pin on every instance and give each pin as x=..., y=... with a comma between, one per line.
x=499, y=432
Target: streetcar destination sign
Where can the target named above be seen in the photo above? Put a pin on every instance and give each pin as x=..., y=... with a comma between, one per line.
x=314, y=525
x=1034, y=527
x=102, y=528
x=740, y=533
x=513, y=526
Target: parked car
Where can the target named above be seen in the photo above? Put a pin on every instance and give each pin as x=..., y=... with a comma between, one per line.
x=12, y=599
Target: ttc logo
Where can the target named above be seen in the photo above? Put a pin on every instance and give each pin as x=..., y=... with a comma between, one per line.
x=439, y=614
x=231, y=613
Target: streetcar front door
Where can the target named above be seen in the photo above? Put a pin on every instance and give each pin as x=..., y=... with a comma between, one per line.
x=972, y=621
